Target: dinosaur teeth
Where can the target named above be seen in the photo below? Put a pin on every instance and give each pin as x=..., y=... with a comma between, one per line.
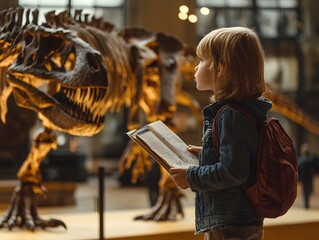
x=78, y=94
x=85, y=103
x=83, y=93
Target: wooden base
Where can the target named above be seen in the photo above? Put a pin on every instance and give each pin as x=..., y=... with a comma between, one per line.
x=297, y=224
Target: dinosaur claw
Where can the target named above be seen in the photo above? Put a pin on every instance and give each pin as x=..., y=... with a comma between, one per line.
x=56, y=223
x=10, y=226
x=167, y=209
x=23, y=212
x=63, y=225
x=30, y=225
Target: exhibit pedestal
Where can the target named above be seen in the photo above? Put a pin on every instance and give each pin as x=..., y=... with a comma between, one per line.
x=295, y=225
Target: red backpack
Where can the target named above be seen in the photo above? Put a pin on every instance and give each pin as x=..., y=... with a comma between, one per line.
x=275, y=188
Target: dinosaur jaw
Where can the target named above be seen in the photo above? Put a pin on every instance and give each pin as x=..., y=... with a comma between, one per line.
x=74, y=111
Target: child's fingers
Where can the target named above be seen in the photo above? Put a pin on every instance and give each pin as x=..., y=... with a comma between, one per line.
x=193, y=148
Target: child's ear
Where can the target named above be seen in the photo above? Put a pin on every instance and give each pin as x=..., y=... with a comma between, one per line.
x=220, y=70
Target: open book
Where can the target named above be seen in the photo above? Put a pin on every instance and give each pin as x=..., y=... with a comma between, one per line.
x=163, y=145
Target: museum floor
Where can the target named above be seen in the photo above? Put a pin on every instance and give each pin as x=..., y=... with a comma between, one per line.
x=123, y=203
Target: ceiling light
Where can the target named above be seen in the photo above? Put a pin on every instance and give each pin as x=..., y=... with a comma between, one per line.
x=192, y=18
x=182, y=16
x=204, y=10
x=183, y=9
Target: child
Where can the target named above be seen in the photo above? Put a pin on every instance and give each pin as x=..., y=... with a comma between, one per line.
x=232, y=67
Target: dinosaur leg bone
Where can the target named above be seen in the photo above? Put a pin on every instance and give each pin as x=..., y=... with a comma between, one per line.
x=22, y=210
x=43, y=143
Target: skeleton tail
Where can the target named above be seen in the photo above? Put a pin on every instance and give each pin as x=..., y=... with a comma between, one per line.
x=286, y=107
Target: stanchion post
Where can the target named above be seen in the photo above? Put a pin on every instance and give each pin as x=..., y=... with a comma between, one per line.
x=101, y=202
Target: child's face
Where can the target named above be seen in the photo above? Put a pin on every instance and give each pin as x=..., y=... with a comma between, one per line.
x=203, y=76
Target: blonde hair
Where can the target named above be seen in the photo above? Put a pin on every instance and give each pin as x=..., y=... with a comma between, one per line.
x=239, y=51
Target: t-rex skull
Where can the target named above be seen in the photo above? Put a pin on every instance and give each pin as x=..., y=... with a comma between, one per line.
x=63, y=78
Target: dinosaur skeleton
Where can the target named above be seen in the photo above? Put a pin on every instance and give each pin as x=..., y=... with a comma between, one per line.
x=70, y=73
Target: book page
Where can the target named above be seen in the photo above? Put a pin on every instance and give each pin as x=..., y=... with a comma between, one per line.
x=159, y=159
x=162, y=150
x=157, y=149
x=173, y=142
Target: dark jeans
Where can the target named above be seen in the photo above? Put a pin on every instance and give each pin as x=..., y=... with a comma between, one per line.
x=236, y=233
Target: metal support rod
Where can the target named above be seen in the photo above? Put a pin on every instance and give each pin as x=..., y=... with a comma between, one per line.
x=101, y=202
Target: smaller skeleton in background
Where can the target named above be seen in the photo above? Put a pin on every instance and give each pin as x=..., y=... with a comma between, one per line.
x=156, y=100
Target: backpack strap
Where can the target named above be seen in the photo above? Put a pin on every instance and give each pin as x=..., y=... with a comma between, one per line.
x=242, y=109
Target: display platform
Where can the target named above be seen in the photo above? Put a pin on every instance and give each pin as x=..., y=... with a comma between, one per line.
x=297, y=224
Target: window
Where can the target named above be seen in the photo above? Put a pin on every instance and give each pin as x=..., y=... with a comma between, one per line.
x=110, y=10
x=271, y=18
x=277, y=24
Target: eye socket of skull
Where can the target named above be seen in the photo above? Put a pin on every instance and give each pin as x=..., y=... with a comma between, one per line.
x=94, y=61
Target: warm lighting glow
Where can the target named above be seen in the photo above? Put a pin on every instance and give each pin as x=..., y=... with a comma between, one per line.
x=182, y=16
x=204, y=10
x=192, y=18
x=183, y=9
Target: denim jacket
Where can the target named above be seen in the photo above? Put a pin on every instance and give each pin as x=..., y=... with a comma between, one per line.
x=220, y=202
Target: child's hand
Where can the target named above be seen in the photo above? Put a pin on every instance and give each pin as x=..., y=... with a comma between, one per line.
x=179, y=177
x=194, y=149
